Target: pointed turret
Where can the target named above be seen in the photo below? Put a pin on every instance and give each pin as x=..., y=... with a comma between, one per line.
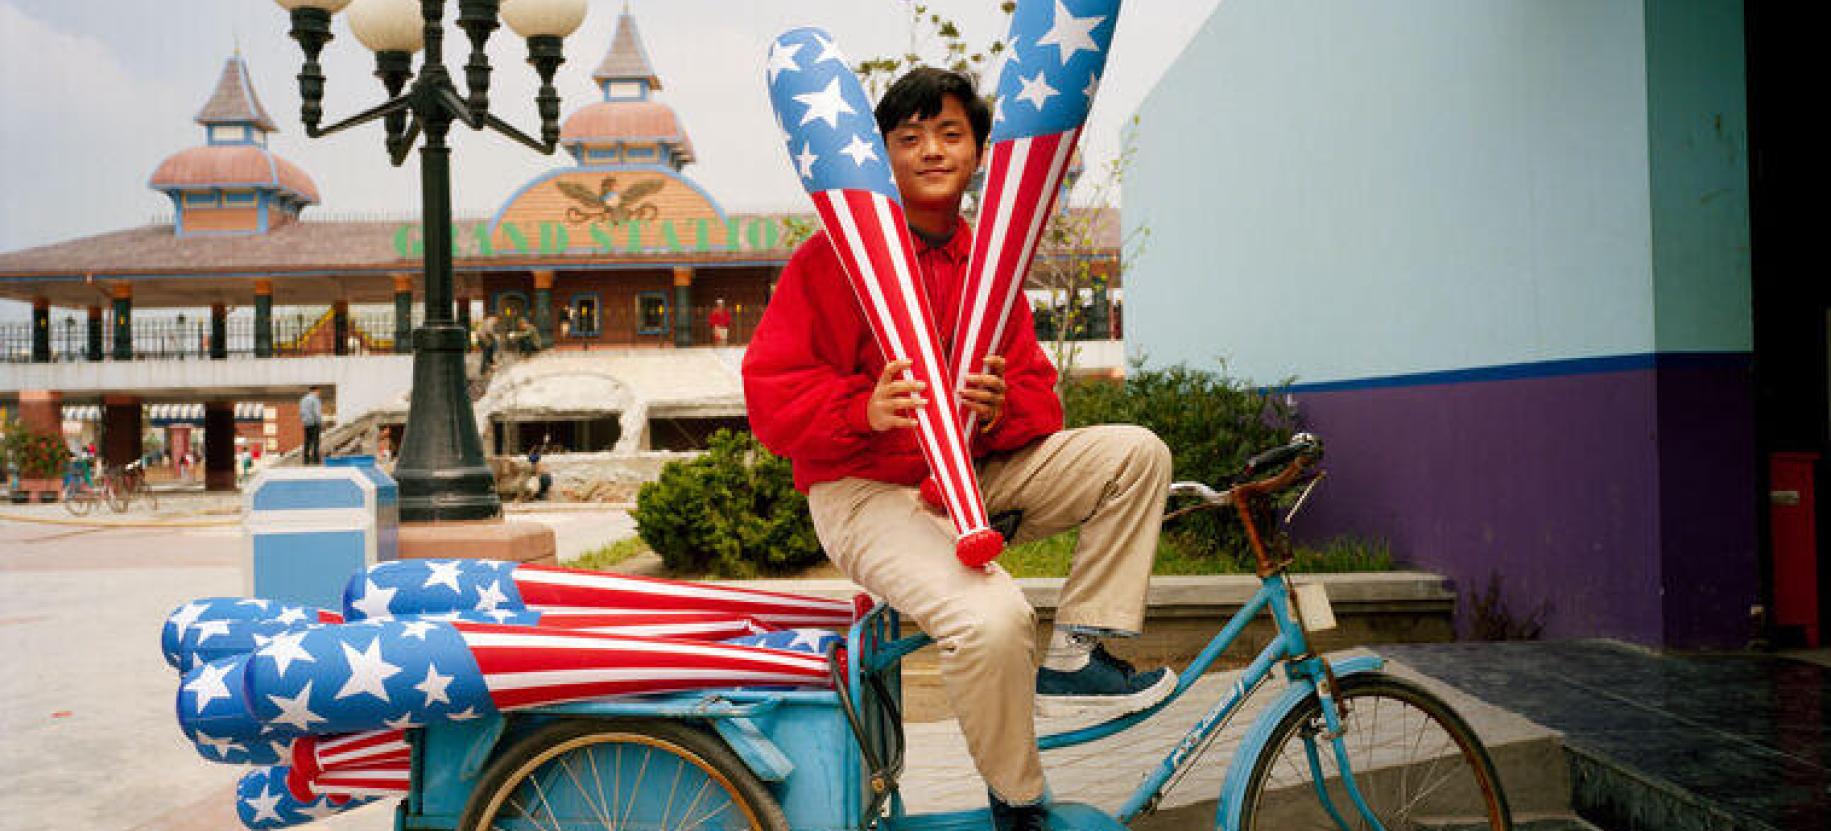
x=628, y=127
x=626, y=62
x=234, y=102
x=233, y=184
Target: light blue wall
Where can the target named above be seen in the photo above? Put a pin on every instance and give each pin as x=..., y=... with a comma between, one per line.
x=1340, y=191
x=1697, y=109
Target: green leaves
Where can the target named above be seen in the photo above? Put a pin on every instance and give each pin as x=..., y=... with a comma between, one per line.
x=35, y=455
x=732, y=512
x=1212, y=422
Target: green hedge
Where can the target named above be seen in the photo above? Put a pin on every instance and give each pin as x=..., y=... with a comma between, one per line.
x=1212, y=422
x=731, y=512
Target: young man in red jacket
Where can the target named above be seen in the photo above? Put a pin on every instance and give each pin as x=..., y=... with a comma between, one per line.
x=820, y=393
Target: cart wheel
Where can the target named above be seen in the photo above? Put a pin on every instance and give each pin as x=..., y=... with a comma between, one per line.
x=652, y=775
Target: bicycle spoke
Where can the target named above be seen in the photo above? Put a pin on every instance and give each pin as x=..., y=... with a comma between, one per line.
x=667, y=808
x=636, y=787
x=584, y=793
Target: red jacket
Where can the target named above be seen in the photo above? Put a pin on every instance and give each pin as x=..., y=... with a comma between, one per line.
x=812, y=364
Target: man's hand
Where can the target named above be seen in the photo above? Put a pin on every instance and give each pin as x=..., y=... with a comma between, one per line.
x=985, y=394
x=893, y=399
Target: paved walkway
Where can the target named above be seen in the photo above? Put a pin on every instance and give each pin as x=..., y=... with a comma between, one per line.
x=1666, y=742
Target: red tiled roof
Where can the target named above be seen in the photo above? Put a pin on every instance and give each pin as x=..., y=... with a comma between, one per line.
x=232, y=165
x=609, y=121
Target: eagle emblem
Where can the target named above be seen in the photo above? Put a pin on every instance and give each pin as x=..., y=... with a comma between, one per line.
x=608, y=203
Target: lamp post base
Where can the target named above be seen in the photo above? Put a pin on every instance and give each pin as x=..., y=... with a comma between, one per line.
x=442, y=472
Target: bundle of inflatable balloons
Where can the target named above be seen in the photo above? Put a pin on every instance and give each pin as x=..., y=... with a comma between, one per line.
x=319, y=700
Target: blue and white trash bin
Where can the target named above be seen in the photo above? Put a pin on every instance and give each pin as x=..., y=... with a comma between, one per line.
x=387, y=501
x=309, y=529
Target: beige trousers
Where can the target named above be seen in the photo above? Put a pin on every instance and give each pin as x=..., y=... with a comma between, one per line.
x=1110, y=481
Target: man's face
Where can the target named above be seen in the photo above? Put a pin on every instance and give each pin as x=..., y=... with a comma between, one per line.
x=933, y=159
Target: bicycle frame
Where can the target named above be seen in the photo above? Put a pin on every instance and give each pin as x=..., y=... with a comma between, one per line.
x=1306, y=672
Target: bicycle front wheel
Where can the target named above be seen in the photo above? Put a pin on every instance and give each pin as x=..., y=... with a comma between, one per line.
x=650, y=775
x=76, y=501
x=143, y=490
x=1415, y=761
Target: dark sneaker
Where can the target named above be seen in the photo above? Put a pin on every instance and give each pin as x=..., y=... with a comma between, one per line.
x=1106, y=685
x=1019, y=817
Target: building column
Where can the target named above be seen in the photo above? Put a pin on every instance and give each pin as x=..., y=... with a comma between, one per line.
x=219, y=446
x=263, y=318
x=42, y=411
x=1099, y=317
x=543, y=306
x=464, y=318
x=94, y=333
x=683, y=305
x=403, y=313
x=123, y=292
x=219, y=331
x=121, y=429
x=340, y=327
x=41, y=330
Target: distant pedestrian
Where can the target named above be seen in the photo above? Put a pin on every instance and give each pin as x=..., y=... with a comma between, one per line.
x=486, y=340
x=311, y=417
x=720, y=321
x=538, y=469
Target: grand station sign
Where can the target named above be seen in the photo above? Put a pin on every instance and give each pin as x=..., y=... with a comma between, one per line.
x=598, y=211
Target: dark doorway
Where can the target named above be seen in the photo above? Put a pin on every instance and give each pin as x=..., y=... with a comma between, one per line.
x=1791, y=295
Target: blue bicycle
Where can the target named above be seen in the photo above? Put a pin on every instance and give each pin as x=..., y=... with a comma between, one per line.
x=1342, y=745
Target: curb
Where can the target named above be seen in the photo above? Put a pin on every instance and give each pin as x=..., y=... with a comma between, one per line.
x=176, y=522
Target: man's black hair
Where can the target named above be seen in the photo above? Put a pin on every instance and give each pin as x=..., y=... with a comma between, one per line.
x=922, y=91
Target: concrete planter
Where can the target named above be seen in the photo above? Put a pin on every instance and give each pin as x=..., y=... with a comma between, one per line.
x=40, y=490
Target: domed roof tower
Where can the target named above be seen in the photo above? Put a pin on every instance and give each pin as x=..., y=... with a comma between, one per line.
x=628, y=127
x=233, y=184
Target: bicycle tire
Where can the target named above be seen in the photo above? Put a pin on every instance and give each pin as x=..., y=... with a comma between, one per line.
x=511, y=793
x=1281, y=793
x=144, y=490
x=76, y=501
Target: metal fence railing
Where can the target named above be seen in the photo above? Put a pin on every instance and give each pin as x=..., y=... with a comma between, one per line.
x=300, y=333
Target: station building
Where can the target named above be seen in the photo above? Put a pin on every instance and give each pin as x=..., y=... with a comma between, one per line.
x=617, y=248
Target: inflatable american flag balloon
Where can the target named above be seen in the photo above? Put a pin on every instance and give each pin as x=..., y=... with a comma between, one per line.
x=1057, y=56
x=262, y=801
x=396, y=674
x=839, y=158
x=403, y=588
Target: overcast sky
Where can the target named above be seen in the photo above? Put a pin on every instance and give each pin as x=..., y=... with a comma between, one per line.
x=95, y=93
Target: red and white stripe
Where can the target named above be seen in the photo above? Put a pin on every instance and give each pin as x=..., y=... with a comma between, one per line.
x=525, y=667
x=872, y=239
x=1023, y=179
x=565, y=591
x=373, y=763
x=389, y=780
x=697, y=626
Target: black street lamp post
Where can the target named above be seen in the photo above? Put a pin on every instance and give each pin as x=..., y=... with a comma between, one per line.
x=441, y=469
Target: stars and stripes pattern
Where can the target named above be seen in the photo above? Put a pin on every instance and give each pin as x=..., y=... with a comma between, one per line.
x=375, y=763
x=426, y=587
x=839, y=157
x=262, y=801
x=207, y=618
x=1058, y=53
x=396, y=674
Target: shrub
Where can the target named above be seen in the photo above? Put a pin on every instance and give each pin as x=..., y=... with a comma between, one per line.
x=731, y=512
x=35, y=455
x=1212, y=422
